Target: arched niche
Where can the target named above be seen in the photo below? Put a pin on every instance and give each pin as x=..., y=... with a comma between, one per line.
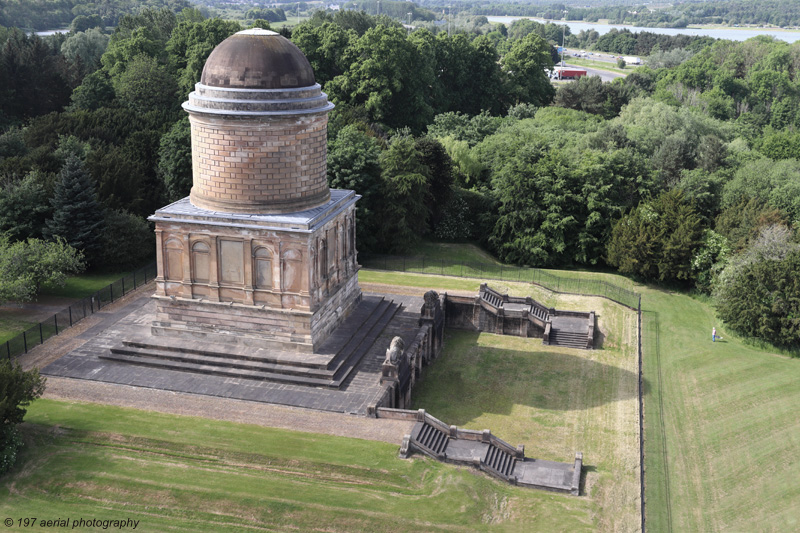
x=262, y=268
x=201, y=253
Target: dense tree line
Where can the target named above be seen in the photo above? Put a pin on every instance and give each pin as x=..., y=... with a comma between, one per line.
x=672, y=174
x=625, y=42
x=729, y=12
x=52, y=14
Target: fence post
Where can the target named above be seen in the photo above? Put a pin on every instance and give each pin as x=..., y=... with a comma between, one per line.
x=25, y=341
x=55, y=321
x=41, y=335
x=111, y=291
x=8, y=350
x=123, y=285
x=442, y=271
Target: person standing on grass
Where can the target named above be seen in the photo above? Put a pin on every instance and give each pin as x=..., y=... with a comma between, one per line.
x=714, y=334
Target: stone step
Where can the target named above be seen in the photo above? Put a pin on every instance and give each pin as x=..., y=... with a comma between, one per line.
x=336, y=342
x=218, y=360
x=499, y=461
x=357, y=337
x=431, y=440
x=216, y=370
x=568, y=339
x=357, y=334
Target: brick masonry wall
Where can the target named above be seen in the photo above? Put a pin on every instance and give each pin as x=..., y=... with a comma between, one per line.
x=275, y=164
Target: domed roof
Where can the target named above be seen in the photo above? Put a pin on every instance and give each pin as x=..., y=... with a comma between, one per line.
x=257, y=59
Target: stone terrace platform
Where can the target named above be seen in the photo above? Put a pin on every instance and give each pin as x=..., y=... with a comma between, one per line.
x=342, y=376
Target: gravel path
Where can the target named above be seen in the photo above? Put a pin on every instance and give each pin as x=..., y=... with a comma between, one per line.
x=262, y=414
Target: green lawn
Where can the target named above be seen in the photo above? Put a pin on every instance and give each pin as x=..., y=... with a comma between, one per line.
x=14, y=321
x=720, y=424
x=468, y=260
x=724, y=455
x=11, y=325
x=83, y=285
x=191, y=474
x=601, y=65
x=555, y=402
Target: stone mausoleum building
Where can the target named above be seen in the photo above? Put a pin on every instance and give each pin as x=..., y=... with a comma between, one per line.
x=261, y=253
x=257, y=294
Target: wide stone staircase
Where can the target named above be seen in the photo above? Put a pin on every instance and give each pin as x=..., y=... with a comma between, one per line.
x=569, y=339
x=329, y=366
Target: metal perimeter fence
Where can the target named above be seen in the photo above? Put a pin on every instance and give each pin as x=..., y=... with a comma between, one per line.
x=554, y=282
x=548, y=280
x=76, y=312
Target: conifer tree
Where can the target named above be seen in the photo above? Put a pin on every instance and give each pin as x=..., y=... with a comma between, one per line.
x=77, y=214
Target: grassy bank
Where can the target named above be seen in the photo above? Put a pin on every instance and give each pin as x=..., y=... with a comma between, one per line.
x=189, y=474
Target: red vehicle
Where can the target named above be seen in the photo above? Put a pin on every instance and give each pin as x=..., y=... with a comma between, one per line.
x=568, y=73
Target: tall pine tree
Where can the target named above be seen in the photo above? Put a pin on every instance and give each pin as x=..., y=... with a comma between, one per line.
x=77, y=214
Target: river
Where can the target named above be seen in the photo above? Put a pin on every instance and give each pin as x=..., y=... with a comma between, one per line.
x=732, y=34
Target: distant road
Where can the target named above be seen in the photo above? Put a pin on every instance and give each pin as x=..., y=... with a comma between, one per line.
x=605, y=75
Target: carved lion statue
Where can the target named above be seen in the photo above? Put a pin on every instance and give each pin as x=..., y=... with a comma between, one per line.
x=431, y=298
x=395, y=350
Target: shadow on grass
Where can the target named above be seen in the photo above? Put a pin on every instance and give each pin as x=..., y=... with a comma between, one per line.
x=584, y=472
x=471, y=379
x=599, y=339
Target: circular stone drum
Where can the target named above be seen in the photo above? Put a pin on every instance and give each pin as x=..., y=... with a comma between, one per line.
x=259, y=128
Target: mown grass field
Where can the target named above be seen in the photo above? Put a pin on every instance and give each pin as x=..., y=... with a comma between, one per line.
x=720, y=420
x=190, y=474
x=724, y=455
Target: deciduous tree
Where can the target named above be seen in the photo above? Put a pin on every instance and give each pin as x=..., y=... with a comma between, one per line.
x=524, y=67
x=18, y=388
x=354, y=163
x=27, y=266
